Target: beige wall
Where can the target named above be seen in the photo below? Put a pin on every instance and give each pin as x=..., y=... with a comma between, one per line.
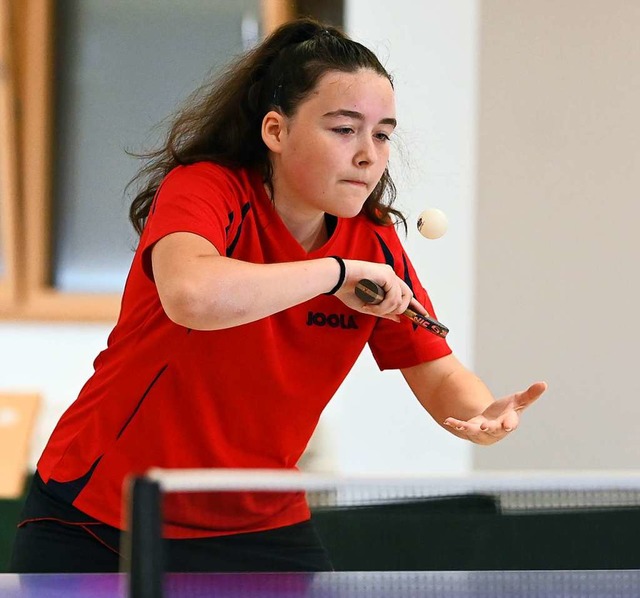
x=558, y=267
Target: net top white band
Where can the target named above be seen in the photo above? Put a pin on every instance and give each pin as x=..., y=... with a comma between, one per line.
x=278, y=480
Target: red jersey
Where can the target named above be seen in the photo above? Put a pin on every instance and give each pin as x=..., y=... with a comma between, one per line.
x=163, y=395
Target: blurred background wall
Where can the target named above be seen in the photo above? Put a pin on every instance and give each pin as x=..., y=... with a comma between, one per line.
x=558, y=212
x=518, y=119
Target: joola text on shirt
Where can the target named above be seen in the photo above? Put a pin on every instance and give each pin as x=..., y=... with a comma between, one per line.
x=332, y=320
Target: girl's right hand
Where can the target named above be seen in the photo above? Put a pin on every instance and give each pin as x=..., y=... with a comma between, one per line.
x=397, y=298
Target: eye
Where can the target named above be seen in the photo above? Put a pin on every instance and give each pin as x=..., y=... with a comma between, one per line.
x=343, y=130
x=382, y=137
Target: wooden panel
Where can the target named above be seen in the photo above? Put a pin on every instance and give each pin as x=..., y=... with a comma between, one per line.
x=37, y=107
x=275, y=13
x=8, y=161
x=35, y=66
x=17, y=417
x=36, y=21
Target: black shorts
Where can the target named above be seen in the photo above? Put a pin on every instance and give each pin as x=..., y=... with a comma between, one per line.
x=55, y=537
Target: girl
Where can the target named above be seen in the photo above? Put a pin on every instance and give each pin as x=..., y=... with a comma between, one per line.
x=270, y=200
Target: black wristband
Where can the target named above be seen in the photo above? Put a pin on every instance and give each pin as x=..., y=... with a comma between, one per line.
x=343, y=273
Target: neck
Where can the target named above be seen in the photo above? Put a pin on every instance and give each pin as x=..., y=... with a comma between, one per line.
x=310, y=232
x=308, y=227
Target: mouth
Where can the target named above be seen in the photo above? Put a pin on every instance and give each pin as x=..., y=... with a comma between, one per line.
x=361, y=184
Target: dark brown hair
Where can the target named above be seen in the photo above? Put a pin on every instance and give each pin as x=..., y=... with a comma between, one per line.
x=221, y=122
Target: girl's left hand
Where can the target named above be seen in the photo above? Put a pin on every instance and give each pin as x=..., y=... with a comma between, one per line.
x=497, y=420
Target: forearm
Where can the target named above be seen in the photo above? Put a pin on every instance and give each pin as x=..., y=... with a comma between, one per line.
x=460, y=394
x=445, y=388
x=461, y=403
x=202, y=290
x=219, y=292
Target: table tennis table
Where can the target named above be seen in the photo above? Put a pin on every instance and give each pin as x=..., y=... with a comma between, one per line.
x=372, y=584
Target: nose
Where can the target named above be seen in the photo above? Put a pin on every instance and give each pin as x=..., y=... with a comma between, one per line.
x=366, y=152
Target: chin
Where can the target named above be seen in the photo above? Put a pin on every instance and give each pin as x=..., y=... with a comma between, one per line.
x=347, y=212
x=349, y=207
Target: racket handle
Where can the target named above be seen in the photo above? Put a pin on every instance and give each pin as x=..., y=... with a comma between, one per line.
x=370, y=292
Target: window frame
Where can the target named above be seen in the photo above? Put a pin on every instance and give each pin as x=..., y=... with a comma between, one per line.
x=9, y=238
x=28, y=293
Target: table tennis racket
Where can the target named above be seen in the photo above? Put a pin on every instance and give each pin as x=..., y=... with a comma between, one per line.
x=372, y=293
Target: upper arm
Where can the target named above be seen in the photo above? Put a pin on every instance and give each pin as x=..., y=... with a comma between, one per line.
x=177, y=261
x=201, y=199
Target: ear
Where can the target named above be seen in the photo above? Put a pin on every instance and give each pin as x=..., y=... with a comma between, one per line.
x=273, y=128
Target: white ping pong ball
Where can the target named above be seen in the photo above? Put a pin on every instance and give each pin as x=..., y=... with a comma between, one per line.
x=432, y=223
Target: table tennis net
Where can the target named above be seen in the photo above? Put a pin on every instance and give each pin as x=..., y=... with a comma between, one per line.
x=504, y=498
x=476, y=511
x=509, y=492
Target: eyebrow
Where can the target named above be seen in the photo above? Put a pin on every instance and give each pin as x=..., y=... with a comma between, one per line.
x=359, y=116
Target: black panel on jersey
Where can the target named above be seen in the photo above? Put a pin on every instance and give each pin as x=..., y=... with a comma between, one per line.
x=68, y=491
x=243, y=212
x=388, y=256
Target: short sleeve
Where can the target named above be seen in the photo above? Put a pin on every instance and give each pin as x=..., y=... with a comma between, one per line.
x=401, y=345
x=202, y=199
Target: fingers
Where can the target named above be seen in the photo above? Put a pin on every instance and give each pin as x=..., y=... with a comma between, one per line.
x=397, y=294
x=510, y=421
x=537, y=389
x=397, y=297
x=416, y=306
x=485, y=431
x=497, y=421
x=523, y=399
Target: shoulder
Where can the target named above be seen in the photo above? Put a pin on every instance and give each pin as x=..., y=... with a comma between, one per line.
x=210, y=186
x=209, y=175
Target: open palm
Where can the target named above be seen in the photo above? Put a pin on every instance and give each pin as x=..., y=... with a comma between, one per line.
x=499, y=419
